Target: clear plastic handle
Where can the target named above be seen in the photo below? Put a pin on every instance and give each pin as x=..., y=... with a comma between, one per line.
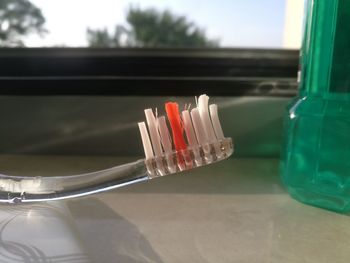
x=16, y=189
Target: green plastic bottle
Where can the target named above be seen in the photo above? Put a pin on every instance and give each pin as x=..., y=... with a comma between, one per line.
x=316, y=152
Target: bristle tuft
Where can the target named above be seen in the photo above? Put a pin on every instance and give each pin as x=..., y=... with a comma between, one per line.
x=203, y=108
x=213, y=108
x=147, y=146
x=153, y=130
x=172, y=110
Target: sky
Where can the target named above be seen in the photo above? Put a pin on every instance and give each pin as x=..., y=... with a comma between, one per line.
x=236, y=23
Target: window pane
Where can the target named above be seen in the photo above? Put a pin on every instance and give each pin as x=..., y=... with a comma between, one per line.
x=151, y=23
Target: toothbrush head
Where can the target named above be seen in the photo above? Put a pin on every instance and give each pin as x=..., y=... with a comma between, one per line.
x=197, y=138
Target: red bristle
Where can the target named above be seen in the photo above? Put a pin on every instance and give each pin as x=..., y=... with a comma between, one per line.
x=172, y=110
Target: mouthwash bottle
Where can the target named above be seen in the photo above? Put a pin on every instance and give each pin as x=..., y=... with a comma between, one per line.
x=316, y=153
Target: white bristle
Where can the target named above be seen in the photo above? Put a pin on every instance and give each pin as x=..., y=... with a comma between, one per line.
x=153, y=130
x=213, y=108
x=191, y=136
x=147, y=146
x=164, y=135
x=200, y=133
x=166, y=142
x=198, y=127
x=204, y=114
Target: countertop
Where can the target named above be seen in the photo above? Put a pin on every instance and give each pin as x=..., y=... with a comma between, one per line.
x=233, y=211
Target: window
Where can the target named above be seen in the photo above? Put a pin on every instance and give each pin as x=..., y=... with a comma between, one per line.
x=151, y=23
x=149, y=47
x=222, y=48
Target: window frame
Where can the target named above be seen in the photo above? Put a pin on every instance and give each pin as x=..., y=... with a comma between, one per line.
x=145, y=71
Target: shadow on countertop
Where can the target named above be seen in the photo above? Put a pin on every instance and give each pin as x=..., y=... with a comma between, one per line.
x=128, y=246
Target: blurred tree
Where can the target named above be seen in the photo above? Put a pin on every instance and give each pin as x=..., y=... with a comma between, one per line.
x=19, y=18
x=151, y=28
x=102, y=38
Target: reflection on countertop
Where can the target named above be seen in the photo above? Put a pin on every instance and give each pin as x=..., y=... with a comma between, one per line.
x=232, y=211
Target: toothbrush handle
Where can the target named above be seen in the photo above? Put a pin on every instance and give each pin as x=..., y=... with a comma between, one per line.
x=14, y=189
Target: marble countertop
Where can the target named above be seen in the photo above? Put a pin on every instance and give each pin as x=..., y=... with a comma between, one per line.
x=233, y=211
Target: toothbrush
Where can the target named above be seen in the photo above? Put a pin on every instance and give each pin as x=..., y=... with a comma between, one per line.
x=196, y=139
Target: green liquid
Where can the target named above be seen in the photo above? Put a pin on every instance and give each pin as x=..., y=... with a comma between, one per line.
x=316, y=156
x=316, y=152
